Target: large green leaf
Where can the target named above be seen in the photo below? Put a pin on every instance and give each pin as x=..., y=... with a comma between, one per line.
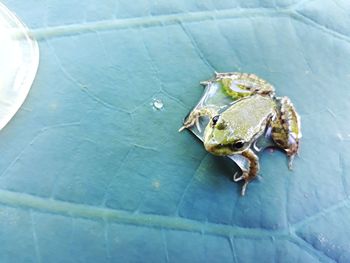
x=91, y=172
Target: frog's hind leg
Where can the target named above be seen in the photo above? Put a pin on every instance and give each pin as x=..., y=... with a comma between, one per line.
x=286, y=131
x=238, y=85
x=252, y=171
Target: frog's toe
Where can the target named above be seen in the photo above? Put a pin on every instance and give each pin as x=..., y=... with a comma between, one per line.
x=237, y=179
x=182, y=128
x=244, y=177
x=244, y=188
x=204, y=83
x=198, y=125
x=290, y=162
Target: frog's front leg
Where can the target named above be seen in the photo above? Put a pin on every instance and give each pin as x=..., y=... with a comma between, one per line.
x=286, y=131
x=193, y=118
x=252, y=171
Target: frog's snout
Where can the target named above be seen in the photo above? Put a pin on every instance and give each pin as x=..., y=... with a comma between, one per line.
x=210, y=147
x=210, y=143
x=214, y=148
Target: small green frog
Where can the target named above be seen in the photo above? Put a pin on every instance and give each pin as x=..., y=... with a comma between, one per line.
x=255, y=111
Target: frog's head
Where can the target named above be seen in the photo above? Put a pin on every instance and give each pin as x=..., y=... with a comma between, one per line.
x=222, y=138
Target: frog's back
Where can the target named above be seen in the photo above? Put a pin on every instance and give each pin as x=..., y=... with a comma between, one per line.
x=248, y=115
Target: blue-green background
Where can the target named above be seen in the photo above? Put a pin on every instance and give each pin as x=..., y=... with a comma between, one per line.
x=91, y=172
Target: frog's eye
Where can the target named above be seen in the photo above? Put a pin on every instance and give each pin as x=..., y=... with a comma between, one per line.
x=215, y=119
x=238, y=144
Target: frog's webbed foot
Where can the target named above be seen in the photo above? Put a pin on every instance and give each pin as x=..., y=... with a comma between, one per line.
x=193, y=118
x=252, y=171
x=286, y=131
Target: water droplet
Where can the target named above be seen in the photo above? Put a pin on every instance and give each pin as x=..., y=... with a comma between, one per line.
x=158, y=104
x=156, y=184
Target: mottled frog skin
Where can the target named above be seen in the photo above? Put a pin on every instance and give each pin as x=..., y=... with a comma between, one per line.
x=254, y=111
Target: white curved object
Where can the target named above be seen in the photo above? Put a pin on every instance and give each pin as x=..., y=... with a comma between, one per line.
x=19, y=60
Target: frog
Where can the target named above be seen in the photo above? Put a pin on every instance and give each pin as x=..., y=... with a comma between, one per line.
x=255, y=111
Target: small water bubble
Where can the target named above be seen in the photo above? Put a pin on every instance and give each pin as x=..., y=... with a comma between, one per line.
x=158, y=104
